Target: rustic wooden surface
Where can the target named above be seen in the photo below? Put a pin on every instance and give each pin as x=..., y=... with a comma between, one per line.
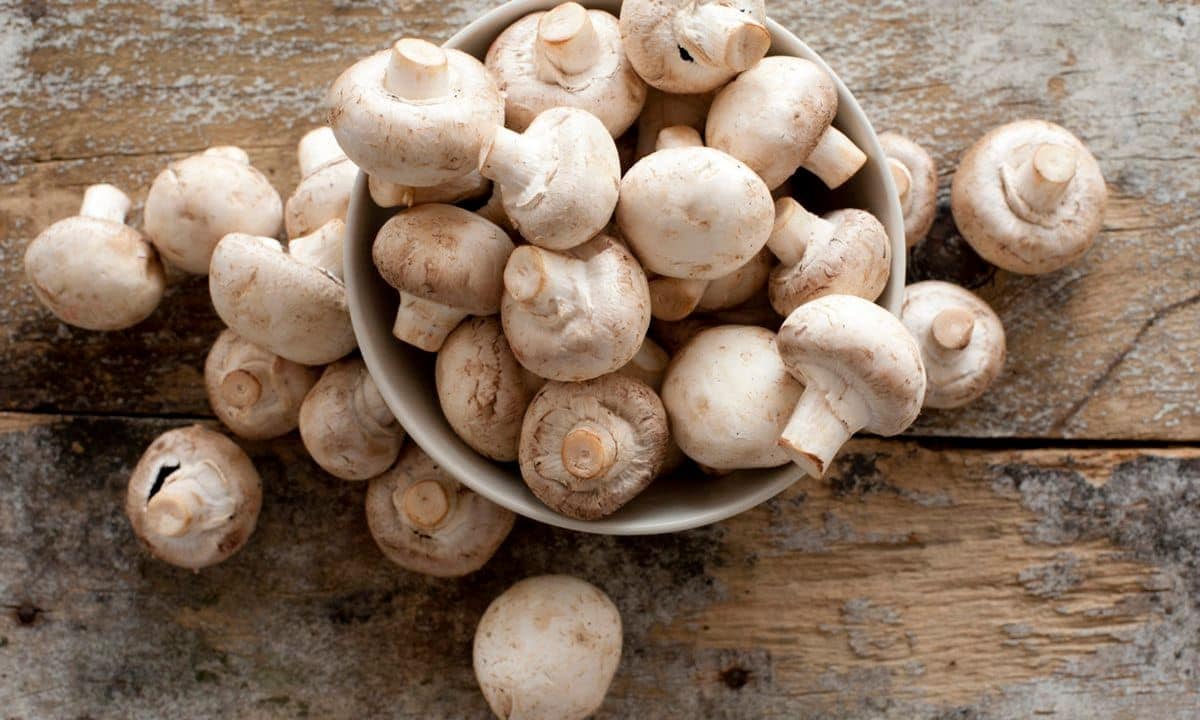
x=1036, y=554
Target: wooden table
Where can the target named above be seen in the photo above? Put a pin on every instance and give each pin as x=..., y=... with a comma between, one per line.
x=1034, y=555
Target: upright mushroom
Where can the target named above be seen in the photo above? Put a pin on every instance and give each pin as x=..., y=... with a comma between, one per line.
x=426, y=521
x=447, y=263
x=93, y=271
x=961, y=339
x=1029, y=197
x=861, y=370
x=685, y=46
x=547, y=649
x=415, y=114
x=346, y=426
x=588, y=448
x=575, y=316
x=199, y=200
x=326, y=180
x=194, y=497
x=916, y=180
x=776, y=116
x=256, y=393
x=558, y=179
x=567, y=57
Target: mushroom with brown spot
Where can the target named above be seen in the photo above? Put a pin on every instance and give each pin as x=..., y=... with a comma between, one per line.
x=916, y=181
x=326, y=180
x=256, y=393
x=346, y=426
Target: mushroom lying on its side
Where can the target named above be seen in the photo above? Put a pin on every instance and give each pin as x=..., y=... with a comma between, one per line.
x=346, y=426
x=426, y=521
x=256, y=393
x=194, y=497
x=916, y=180
x=547, y=649
x=326, y=180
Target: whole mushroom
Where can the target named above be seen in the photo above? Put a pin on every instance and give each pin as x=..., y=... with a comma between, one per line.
x=193, y=498
x=916, y=180
x=345, y=424
x=1029, y=197
x=861, y=370
x=961, y=339
x=547, y=649
x=567, y=57
x=199, y=200
x=93, y=271
x=426, y=521
x=326, y=180
x=256, y=393
x=415, y=114
x=776, y=116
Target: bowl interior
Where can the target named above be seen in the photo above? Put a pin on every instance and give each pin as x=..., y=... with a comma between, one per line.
x=404, y=374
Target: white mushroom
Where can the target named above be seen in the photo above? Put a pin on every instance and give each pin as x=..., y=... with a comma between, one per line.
x=547, y=649
x=916, y=180
x=961, y=338
x=861, y=370
x=256, y=393
x=664, y=110
x=199, y=200
x=567, y=57
x=322, y=248
x=426, y=521
x=93, y=271
x=415, y=114
x=346, y=426
x=326, y=180
x=558, y=179
x=468, y=187
x=739, y=286
x=776, y=118
x=1029, y=197
x=194, y=497
x=649, y=365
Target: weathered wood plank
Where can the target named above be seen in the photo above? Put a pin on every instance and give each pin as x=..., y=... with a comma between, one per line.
x=921, y=582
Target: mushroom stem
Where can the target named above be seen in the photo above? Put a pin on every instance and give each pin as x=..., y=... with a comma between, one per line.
x=1043, y=178
x=389, y=194
x=674, y=299
x=952, y=328
x=229, y=152
x=105, y=202
x=370, y=407
x=567, y=43
x=322, y=248
x=317, y=149
x=835, y=159
x=902, y=179
x=795, y=229
x=424, y=323
x=512, y=160
x=588, y=450
x=425, y=504
x=534, y=276
x=722, y=36
x=172, y=512
x=678, y=136
x=820, y=425
x=417, y=70
x=240, y=389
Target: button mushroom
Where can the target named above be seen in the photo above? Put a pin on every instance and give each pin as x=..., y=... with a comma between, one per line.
x=575, y=316
x=415, y=114
x=468, y=187
x=482, y=388
x=961, y=339
x=847, y=252
x=916, y=180
x=326, y=180
x=776, y=118
x=588, y=448
x=664, y=110
x=274, y=300
x=567, y=57
x=1029, y=197
x=558, y=179
x=93, y=271
x=194, y=497
x=426, y=521
x=547, y=649
x=199, y=200
x=447, y=263
x=684, y=46
x=861, y=370
x=346, y=426
x=256, y=393
x=729, y=396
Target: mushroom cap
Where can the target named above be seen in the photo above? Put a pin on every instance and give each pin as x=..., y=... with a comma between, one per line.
x=955, y=376
x=199, y=200
x=293, y=309
x=694, y=213
x=444, y=254
x=321, y=196
x=610, y=89
x=1031, y=242
x=95, y=274
x=729, y=396
x=740, y=285
x=256, y=393
x=345, y=425
x=426, y=521
x=613, y=410
x=230, y=492
x=482, y=388
x=664, y=110
x=418, y=142
x=855, y=260
x=920, y=204
x=844, y=340
x=547, y=649
x=773, y=115
x=590, y=313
